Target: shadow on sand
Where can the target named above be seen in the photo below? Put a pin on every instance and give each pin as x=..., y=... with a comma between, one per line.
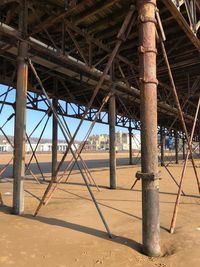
x=5, y=209
x=87, y=230
x=79, y=228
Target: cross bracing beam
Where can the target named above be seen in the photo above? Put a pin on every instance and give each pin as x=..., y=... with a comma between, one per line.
x=57, y=62
x=75, y=111
x=89, y=75
x=122, y=119
x=186, y=27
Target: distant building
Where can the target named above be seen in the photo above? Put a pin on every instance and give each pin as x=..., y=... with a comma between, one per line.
x=101, y=142
x=42, y=147
x=94, y=143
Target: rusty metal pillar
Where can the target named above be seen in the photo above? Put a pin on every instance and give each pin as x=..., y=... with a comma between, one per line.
x=148, y=88
x=54, y=153
x=130, y=146
x=162, y=146
x=199, y=138
x=112, y=118
x=176, y=146
x=20, y=116
x=183, y=141
x=199, y=147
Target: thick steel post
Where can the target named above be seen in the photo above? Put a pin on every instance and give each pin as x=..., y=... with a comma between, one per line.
x=199, y=148
x=148, y=88
x=112, y=118
x=176, y=147
x=54, y=153
x=199, y=143
x=20, y=118
x=162, y=146
x=130, y=146
x=20, y=129
x=183, y=140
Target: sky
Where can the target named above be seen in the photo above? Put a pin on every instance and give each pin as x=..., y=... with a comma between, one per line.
x=33, y=117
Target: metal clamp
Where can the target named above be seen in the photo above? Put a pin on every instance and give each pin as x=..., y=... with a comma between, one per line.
x=145, y=80
x=142, y=50
x=143, y=19
x=148, y=176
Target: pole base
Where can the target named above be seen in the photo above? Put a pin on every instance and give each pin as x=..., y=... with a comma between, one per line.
x=113, y=187
x=17, y=211
x=152, y=252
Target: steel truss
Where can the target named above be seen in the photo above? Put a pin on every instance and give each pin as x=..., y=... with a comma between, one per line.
x=36, y=101
x=2, y=171
x=71, y=33
x=77, y=61
x=189, y=137
x=191, y=7
x=122, y=35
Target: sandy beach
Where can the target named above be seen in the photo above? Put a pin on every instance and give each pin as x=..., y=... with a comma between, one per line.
x=69, y=232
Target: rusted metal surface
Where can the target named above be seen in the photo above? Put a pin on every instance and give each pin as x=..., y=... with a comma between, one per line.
x=162, y=146
x=130, y=146
x=112, y=118
x=20, y=124
x=148, y=87
x=54, y=141
x=20, y=118
x=183, y=141
x=176, y=147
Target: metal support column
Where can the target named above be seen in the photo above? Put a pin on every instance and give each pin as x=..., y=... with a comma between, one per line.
x=199, y=148
x=130, y=146
x=112, y=118
x=20, y=118
x=199, y=139
x=176, y=147
x=183, y=140
x=162, y=146
x=54, y=140
x=148, y=87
